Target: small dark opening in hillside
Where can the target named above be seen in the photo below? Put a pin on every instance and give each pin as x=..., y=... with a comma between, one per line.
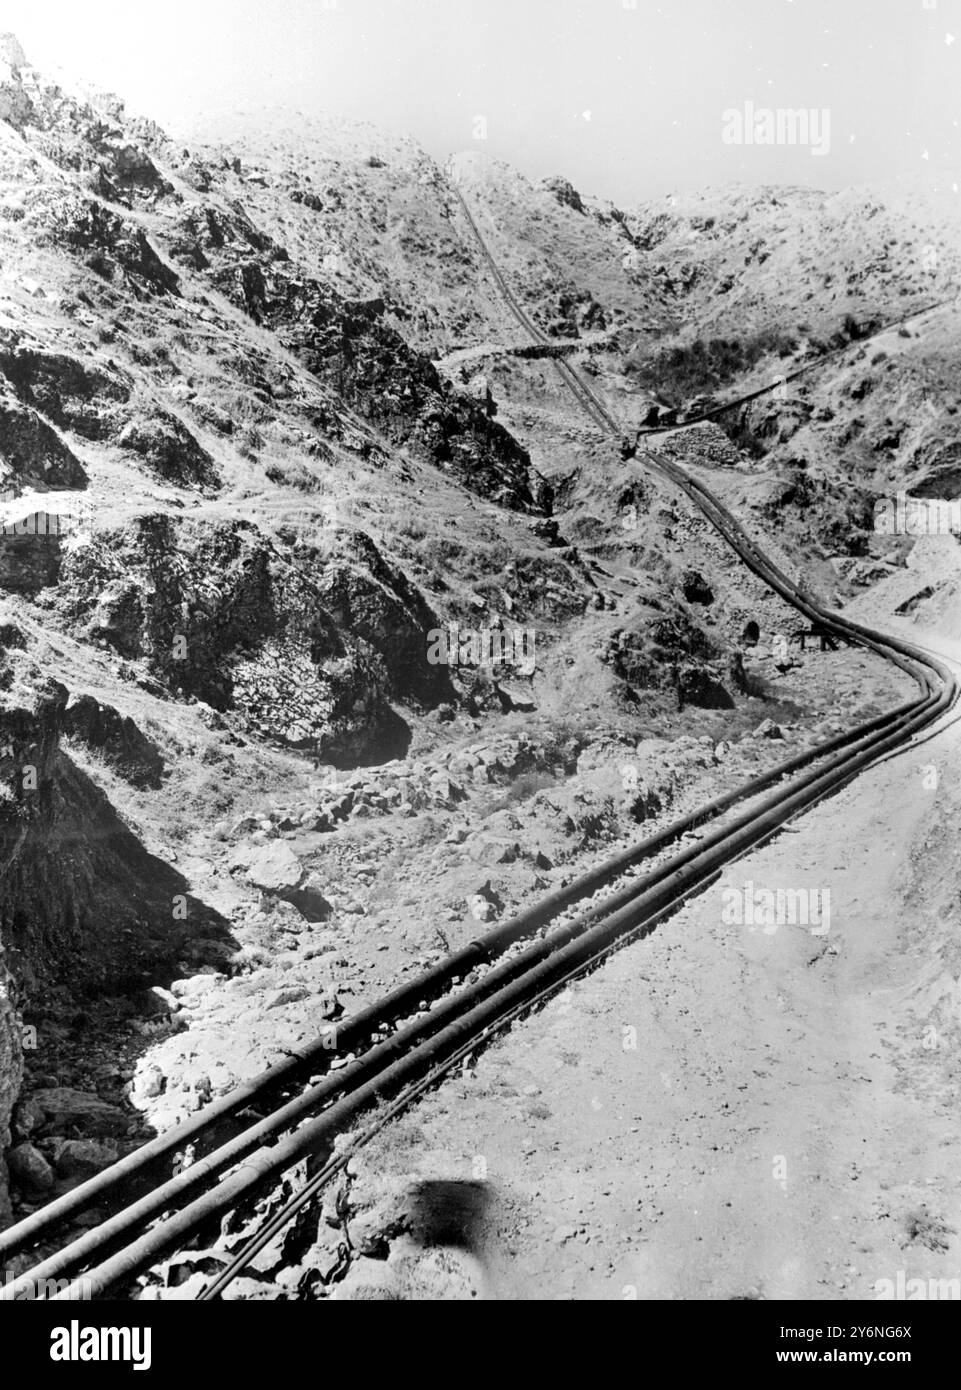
x=696, y=589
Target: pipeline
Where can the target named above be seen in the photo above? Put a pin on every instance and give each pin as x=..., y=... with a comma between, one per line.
x=423, y=1048
x=632, y=908
x=722, y=409
x=204, y=1170
x=598, y=411
x=404, y=1000
x=522, y=976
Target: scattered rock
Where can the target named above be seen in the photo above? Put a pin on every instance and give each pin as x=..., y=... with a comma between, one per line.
x=29, y=1168
x=156, y=1002
x=27, y=1117
x=190, y=989
x=274, y=868
x=149, y=1083
x=64, y=1109
x=287, y=994
x=309, y=900
x=82, y=1158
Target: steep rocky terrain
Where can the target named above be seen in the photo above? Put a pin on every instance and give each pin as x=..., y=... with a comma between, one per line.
x=265, y=437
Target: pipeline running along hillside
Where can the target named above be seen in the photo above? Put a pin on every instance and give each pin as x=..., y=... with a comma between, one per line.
x=406, y=1042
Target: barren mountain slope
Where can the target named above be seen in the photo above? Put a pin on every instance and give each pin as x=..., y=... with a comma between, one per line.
x=236, y=507
x=246, y=485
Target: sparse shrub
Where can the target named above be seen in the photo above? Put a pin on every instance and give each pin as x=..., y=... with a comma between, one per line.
x=406, y=525
x=736, y=425
x=522, y=788
x=440, y=552
x=293, y=475
x=853, y=330
x=690, y=369
x=150, y=353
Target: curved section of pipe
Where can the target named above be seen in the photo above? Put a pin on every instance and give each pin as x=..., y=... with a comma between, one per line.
x=264, y=1149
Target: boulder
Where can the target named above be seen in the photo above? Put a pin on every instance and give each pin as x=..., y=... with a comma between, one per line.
x=274, y=868
x=486, y=849
x=191, y=988
x=156, y=1002
x=27, y=1117
x=65, y=1110
x=309, y=900
x=515, y=697
x=29, y=1169
x=149, y=1083
x=245, y=825
x=82, y=1158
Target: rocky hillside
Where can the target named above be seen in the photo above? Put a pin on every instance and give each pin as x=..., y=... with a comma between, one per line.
x=694, y=298
x=322, y=604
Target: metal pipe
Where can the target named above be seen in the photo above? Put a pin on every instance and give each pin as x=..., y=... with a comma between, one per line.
x=890, y=730
x=269, y=1162
x=402, y=1000
x=206, y=1169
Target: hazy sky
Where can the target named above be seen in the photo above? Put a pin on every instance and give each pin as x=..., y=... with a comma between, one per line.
x=625, y=97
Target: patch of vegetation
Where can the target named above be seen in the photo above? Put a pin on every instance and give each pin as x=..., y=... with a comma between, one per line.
x=294, y=475
x=922, y=1227
x=522, y=788
x=686, y=370
x=852, y=330
x=252, y=439
x=736, y=425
